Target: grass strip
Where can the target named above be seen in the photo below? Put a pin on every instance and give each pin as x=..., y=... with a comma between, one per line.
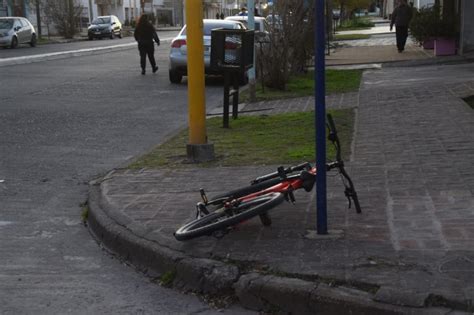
x=254, y=140
x=337, y=81
x=356, y=24
x=351, y=36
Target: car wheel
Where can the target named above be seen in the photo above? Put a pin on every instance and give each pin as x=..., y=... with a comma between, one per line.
x=112, y=35
x=120, y=34
x=14, y=42
x=175, y=77
x=33, y=40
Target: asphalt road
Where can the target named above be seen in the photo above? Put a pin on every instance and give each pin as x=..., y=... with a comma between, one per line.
x=62, y=123
x=26, y=50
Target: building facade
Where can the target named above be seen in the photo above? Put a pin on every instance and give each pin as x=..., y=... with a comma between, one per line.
x=172, y=12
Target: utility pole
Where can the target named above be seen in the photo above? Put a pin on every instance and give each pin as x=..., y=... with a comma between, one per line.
x=251, y=71
x=197, y=149
x=38, y=17
x=320, y=119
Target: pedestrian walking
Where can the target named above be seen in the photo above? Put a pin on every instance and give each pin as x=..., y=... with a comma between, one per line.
x=401, y=17
x=243, y=12
x=145, y=34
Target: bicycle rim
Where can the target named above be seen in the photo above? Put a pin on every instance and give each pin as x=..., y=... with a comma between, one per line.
x=221, y=219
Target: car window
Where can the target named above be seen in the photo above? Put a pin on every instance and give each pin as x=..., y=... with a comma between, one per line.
x=6, y=24
x=17, y=23
x=245, y=22
x=24, y=22
x=102, y=20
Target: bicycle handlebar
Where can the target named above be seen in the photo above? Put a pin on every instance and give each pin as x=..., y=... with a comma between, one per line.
x=350, y=191
x=333, y=137
x=282, y=172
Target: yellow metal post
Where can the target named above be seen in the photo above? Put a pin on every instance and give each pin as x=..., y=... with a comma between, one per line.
x=196, y=84
x=197, y=148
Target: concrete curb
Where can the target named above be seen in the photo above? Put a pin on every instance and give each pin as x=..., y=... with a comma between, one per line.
x=256, y=291
x=62, y=54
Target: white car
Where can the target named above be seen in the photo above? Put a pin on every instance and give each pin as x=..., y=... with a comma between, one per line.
x=178, y=58
x=15, y=31
x=261, y=25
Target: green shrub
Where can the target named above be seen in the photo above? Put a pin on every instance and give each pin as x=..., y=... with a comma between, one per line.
x=356, y=23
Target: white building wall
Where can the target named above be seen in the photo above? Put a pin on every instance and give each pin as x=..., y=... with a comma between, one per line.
x=422, y=3
x=467, y=26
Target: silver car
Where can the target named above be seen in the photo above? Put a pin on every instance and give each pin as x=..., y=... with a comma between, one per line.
x=178, y=59
x=15, y=31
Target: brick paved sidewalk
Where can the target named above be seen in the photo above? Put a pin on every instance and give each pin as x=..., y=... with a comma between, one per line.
x=411, y=246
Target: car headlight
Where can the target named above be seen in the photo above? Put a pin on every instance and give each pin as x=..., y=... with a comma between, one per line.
x=4, y=34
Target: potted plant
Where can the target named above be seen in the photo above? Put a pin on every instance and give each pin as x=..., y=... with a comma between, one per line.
x=424, y=26
x=434, y=31
x=445, y=42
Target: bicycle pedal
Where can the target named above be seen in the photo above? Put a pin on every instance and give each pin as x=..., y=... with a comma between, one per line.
x=203, y=195
x=201, y=210
x=265, y=219
x=290, y=197
x=220, y=233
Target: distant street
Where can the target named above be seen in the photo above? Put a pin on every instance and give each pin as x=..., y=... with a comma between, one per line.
x=62, y=123
x=26, y=50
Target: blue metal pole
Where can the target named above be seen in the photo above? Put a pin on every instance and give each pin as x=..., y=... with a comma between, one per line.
x=320, y=119
x=251, y=25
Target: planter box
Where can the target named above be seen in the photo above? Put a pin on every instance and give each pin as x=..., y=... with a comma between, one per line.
x=444, y=47
x=428, y=44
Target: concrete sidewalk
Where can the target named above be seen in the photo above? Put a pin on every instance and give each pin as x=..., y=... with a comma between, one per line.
x=410, y=251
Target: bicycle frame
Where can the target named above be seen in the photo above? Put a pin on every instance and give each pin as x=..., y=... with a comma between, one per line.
x=222, y=212
x=288, y=185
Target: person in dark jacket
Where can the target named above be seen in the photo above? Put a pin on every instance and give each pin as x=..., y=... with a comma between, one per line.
x=144, y=34
x=401, y=17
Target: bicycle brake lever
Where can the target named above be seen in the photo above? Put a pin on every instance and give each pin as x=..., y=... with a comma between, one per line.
x=348, y=194
x=281, y=172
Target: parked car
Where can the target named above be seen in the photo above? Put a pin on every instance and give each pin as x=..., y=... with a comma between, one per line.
x=15, y=31
x=261, y=24
x=105, y=26
x=178, y=59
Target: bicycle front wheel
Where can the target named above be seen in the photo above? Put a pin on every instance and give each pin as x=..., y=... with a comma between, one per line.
x=223, y=217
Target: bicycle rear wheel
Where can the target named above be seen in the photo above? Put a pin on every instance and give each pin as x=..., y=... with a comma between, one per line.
x=225, y=217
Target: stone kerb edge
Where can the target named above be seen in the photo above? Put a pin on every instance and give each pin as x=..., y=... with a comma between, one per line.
x=207, y=276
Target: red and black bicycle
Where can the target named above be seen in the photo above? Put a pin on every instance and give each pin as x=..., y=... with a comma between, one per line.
x=217, y=215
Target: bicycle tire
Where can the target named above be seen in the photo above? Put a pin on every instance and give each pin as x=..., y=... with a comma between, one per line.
x=219, y=219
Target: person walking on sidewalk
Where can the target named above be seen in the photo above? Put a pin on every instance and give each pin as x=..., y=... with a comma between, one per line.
x=144, y=34
x=401, y=17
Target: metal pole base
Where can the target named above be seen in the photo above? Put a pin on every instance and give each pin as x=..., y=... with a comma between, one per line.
x=200, y=152
x=332, y=235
